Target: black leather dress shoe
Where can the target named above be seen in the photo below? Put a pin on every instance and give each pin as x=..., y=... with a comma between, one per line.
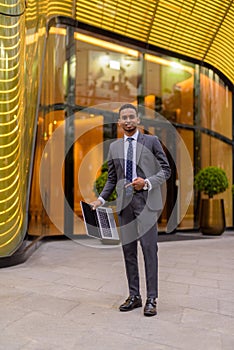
x=131, y=303
x=150, y=308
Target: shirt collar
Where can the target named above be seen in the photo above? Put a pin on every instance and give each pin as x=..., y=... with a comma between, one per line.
x=134, y=136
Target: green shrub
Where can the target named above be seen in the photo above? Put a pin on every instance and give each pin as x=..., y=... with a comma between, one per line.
x=211, y=180
x=101, y=180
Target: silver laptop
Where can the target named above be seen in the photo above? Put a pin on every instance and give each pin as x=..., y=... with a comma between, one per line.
x=99, y=223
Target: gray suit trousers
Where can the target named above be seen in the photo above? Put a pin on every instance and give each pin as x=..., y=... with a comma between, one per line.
x=138, y=223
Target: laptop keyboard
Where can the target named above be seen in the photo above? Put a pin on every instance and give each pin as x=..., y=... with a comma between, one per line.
x=105, y=224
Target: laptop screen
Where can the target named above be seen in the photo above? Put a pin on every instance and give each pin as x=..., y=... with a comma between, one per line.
x=90, y=220
x=99, y=223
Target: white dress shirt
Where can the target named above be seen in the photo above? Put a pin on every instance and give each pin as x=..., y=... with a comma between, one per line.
x=126, y=145
x=134, y=172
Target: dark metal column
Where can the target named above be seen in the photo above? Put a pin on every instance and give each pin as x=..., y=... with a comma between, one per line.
x=197, y=140
x=232, y=153
x=69, y=134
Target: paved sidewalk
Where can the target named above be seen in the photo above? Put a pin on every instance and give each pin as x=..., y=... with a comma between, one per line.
x=66, y=296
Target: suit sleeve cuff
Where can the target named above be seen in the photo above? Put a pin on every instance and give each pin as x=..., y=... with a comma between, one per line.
x=148, y=185
x=102, y=200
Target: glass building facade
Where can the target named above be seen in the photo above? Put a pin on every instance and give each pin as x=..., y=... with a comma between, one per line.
x=86, y=78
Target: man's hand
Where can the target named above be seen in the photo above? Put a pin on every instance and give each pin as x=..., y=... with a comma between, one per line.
x=138, y=183
x=96, y=204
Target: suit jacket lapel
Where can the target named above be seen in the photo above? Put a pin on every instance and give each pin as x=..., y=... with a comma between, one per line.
x=140, y=146
x=121, y=152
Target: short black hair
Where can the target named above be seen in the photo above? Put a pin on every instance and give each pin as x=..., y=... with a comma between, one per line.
x=128, y=105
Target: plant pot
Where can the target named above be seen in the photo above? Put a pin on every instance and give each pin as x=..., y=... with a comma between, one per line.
x=212, y=216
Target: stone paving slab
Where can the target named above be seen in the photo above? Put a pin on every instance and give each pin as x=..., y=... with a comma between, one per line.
x=67, y=294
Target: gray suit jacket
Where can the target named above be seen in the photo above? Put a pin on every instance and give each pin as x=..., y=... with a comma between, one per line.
x=151, y=163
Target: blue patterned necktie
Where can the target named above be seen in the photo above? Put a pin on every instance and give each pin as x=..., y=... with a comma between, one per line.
x=129, y=160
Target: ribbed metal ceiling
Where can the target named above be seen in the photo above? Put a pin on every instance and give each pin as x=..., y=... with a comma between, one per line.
x=201, y=29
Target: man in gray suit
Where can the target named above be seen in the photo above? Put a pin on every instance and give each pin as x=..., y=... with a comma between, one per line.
x=137, y=167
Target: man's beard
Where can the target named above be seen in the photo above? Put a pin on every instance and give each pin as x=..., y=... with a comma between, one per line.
x=130, y=128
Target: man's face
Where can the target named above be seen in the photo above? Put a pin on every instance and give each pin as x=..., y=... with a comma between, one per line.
x=128, y=120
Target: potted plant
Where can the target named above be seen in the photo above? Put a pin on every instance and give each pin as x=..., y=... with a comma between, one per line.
x=211, y=180
x=100, y=182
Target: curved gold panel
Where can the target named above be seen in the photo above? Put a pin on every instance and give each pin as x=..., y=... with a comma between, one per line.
x=49, y=8
x=11, y=116
x=18, y=83
x=12, y=7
